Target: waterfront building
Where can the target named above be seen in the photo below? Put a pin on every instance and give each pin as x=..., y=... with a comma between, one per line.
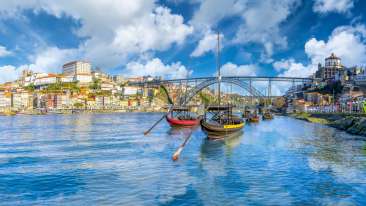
x=63, y=101
x=5, y=100
x=102, y=101
x=22, y=100
x=315, y=98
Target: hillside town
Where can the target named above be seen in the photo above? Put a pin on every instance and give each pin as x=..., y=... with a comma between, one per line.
x=335, y=88
x=77, y=87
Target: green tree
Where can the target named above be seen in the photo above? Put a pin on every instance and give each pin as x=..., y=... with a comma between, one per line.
x=30, y=87
x=96, y=84
x=78, y=105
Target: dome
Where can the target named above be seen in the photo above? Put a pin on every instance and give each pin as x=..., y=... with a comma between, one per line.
x=332, y=56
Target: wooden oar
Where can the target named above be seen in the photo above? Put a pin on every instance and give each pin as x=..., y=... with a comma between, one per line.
x=156, y=123
x=180, y=148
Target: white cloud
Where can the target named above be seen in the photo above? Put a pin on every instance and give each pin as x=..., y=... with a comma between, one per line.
x=260, y=21
x=51, y=59
x=347, y=42
x=156, y=67
x=8, y=73
x=114, y=29
x=207, y=44
x=325, y=6
x=210, y=12
x=4, y=52
x=230, y=69
x=290, y=68
x=48, y=60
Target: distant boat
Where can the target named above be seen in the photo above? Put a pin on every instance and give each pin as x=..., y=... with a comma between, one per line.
x=267, y=116
x=253, y=118
x=181, y=117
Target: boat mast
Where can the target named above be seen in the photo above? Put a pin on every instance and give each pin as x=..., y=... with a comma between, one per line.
x=218, y=67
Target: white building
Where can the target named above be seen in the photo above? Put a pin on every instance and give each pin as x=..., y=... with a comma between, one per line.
x=84, y=78
x=67, y=79
x=107, y=86
x=45, y=79
x=5, y=100
x=360, y=79
x=22, y=100
x=127, y=91
x=76, y=67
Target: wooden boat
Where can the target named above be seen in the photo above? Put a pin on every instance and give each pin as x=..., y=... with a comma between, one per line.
x=219, y=122
x=253, y=118
x=181, y=117
x=267, y=116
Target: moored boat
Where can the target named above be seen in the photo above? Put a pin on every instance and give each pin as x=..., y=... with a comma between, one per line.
x=219, y=122
x=181, y=117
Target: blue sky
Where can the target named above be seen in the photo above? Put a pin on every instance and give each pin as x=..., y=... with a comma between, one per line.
x=176, y=38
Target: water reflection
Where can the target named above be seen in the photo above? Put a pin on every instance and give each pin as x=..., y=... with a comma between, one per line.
x=176, y=131
x=234, y=140
x=216, y=148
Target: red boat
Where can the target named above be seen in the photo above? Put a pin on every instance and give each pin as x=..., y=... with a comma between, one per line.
x=181, y=117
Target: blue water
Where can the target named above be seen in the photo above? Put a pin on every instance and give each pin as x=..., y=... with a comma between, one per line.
x=103, y=159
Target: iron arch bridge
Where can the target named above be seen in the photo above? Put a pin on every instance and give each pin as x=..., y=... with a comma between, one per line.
x=200, y=83
x=195, y=90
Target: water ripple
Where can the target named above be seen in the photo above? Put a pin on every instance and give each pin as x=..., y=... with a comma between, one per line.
x=104, y=159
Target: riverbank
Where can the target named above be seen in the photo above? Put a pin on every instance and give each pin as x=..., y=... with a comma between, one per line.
x=73, y=111
x=353, y=124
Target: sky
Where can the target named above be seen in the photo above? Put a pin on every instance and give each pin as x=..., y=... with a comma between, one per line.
x=177, y=38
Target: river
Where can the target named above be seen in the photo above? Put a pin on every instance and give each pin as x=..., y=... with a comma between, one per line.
x=104, y=159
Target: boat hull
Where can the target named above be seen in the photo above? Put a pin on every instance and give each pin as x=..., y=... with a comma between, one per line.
x=254, y=119
x=220, y=131
x=267, y=117
x=182, y=123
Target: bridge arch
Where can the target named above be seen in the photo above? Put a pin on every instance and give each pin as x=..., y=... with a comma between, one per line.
x=191, y=93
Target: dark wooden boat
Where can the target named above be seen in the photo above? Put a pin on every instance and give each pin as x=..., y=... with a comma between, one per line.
x=219, y=122
x=181, y=117
x=267, y=116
